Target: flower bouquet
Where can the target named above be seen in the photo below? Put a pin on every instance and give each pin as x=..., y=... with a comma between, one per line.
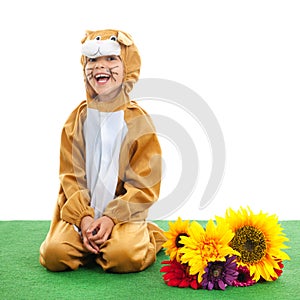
x=239, y=249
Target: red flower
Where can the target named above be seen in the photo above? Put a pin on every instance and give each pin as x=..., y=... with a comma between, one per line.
x=177, y=274
x=279, y=272
x=244, y=278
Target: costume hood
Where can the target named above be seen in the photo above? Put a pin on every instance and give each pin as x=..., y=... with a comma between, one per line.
x=112, y=42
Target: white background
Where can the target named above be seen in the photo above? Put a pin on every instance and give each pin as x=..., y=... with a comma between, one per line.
x=241, y=57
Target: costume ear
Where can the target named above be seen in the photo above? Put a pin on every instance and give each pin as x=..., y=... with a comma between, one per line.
x=87, y=33
x=124, y=38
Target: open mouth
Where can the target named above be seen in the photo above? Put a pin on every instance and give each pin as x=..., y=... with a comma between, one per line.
x=102, y=78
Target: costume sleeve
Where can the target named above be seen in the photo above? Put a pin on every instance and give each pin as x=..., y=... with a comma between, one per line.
x=139, y=173
x=75, y=203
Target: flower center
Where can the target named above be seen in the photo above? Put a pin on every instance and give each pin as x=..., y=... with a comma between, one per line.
x=250, y=242
x=216, y=271
x=242, y=277
x=177, y=241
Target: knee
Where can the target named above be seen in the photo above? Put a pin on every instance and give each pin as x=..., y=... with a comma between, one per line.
x=55, y=256
x=124, y=258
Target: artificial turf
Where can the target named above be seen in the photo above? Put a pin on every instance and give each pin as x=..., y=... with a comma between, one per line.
x=22, y=277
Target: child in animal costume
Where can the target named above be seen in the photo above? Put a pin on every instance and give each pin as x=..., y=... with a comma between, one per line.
x=110, y=168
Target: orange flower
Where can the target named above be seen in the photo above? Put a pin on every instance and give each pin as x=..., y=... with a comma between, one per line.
x=206, y=245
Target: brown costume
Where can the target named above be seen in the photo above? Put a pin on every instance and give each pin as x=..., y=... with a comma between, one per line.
x=110, y=164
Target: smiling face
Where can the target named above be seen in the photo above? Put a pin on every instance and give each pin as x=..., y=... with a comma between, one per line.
x=105, y=75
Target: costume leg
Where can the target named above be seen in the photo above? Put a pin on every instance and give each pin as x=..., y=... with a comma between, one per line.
x=158, y=235
x=62, y=248
x=132, y=247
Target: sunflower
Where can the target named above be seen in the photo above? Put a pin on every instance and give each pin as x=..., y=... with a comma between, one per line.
x=206, y=245
x=177, y=229
x=259, y=239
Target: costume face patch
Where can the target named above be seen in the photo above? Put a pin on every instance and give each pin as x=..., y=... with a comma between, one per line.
x=98, y=47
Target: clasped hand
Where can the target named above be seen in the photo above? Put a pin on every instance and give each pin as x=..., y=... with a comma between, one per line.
x=95, y=232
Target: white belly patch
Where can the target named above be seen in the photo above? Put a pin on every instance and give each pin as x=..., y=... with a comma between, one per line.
x=104, y=133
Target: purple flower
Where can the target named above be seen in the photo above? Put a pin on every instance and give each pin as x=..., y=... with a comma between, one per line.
x=219, y=274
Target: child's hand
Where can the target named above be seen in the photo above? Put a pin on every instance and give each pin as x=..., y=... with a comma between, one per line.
x=95, y=232
x=85, y=224
x=100, y=230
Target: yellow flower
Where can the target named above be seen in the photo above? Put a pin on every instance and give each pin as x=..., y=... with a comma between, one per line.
x=206, y=245
x=177, y=229
x=259, y=239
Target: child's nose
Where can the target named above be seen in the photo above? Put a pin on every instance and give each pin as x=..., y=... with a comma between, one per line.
x=100, y=63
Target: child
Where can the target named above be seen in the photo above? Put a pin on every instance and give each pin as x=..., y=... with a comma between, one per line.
x=110, y=168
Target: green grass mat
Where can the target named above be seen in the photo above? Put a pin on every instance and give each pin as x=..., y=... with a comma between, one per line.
x=22, y=277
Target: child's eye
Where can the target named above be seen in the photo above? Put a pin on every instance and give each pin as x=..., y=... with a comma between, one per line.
x=91, y=59
x=110, y=58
